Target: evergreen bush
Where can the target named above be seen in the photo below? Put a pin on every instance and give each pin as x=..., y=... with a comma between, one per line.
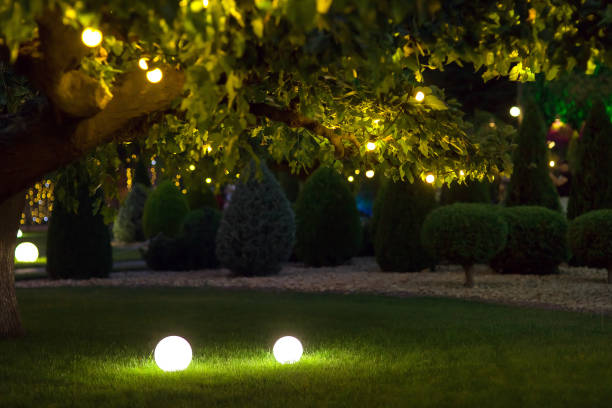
x=141, y=172
x=530, y=183
x=537, y=241
x=128, y=224
x=401, y=211
x=590, y=239
x=166, y=254
x=257, y=230
x=201, y=197
x=471, y=191
x=591, y=187
x=78, y=243
x=199, y=234
x=164, y=211
x=466, y=234
x=328, y=227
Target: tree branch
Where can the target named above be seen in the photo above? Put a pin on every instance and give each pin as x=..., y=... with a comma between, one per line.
x=295, y=119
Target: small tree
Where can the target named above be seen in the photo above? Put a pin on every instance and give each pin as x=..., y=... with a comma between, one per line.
x=590, y=239
x=128, y=224
x=257, y=230
x=328, y=226
x=465, y=234
x=164, y=211
x=401, y=209
x=530, y=183
x=591, y=187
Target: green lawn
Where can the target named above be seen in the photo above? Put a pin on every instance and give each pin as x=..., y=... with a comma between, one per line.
x=93, y=348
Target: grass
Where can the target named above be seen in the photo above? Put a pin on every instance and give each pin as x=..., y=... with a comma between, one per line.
x=39, y=238
x=91, y=347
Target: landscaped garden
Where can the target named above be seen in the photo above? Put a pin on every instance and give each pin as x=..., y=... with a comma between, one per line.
x=298, y=203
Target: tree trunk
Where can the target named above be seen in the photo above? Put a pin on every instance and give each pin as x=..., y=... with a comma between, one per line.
x=469, y=276
x=10, y=212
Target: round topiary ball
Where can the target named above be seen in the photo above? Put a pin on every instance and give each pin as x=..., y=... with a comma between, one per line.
x=328, y=227
x=257, y=229
x=199, y=235
x=401, y=209
x=590, y=239
x=128, y=224
x=164, y=211
x=166, y=254
x=465, y=234
x=537, y=241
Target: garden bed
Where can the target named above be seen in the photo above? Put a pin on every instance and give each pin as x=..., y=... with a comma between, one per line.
x=577, y=289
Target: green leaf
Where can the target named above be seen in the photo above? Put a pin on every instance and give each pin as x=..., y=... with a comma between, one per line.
x=323, y=6
x=258, y=27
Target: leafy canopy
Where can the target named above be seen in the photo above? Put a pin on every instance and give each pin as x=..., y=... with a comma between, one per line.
x=347, y=70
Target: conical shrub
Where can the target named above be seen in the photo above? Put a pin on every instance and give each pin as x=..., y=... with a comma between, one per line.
x=591, y=187
x=328, y=226
x=164, y=212
x=530, y=183
x=128, y=224
x=401, y=210
x=257, y=230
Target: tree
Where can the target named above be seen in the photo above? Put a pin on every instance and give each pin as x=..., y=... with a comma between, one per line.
x=530, y=183
x=591, y=187
x=310, y=81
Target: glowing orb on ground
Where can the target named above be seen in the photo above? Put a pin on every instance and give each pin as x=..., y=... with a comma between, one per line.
x=515, y=111
x=19, y=233
x=173, y=353
x=154, y=75
x=26, y=252
x=287, y=350
x=91, y=37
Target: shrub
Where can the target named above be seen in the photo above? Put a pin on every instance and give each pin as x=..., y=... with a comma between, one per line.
x=199, y=234
x=257, y=229
x=164, y=211
x=472, y=191
x=201, y=197
x=166, y=254
x=328, y=228
x=128, y=224
x=78, y=243
x=537, y=241
x=465, y=233
x=591, y=187
x=530, y=183
x=400, y=214
x=590, y=239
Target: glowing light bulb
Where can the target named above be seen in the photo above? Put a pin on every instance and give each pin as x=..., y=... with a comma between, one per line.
x=154, y=75
x=26, y=252
x=551, y=144
x=430, y=178
x=19, y=233
x=91, y=37
x=287, y=350
x=205, y=3
x=173, y=353
x=357, y=171
x=551, y=163
x=143, y=63
x=515, y=111
x=376, y=121
x=350, y=179
x=371, y=146
x=461, y=173
x=370, y=173
x=419, y=96
x=191, y=167
x=208, y=180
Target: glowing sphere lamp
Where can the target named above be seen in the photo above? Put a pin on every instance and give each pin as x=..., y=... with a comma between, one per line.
x=515, y=111
x=26, y=252
x=430, y=178
x=419, y=96
x=173, y=353
x=154, y=75
x=287, y=350
x=91, y=37
x=370, y=173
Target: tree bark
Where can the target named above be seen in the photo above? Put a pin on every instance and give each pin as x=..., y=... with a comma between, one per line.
x=469, y=276
x=10, y=212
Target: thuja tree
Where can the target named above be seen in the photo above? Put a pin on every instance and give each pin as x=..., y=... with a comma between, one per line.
x=530, y=183
x=312, y=81
x=591, y=187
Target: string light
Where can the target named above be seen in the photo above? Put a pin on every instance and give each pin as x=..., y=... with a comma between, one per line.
x=154, y=75
x=461, y=173
x=208, y=180
x=143, y=63
x=371, y=146
x=551, y=144
x=91, y=37
x=515, y=111
x=370, y=173
x=350, y=179
x=205, y=3
x=430, y=178
x=357, y=171
x=191, y=167
x=419, y=96
x=551, y=163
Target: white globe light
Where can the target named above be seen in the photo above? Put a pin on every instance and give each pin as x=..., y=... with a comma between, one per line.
x=419, y=96
x=91, y=37
x=154, y=75
x=19, y=233
x=26, y=252
x=287, y=350
x=430, y=178
x=370, y=173
x=173, y=353
x=515, y=111
x=371, y=146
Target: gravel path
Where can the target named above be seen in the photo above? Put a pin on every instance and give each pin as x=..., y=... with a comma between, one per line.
x=578, y=289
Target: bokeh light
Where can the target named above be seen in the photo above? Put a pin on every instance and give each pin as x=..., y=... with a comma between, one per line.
x=287, y=350
x=173, y=353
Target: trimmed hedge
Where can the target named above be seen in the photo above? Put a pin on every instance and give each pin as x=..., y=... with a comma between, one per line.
x=78, y=244
x=257, y=230
x=328, y=227
x=590, y=239
x=128, y=224
x=165, y=210
x=466, y=234
x=166, y=254
x=202, y=197
x=536, y=242
x=401, y=210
